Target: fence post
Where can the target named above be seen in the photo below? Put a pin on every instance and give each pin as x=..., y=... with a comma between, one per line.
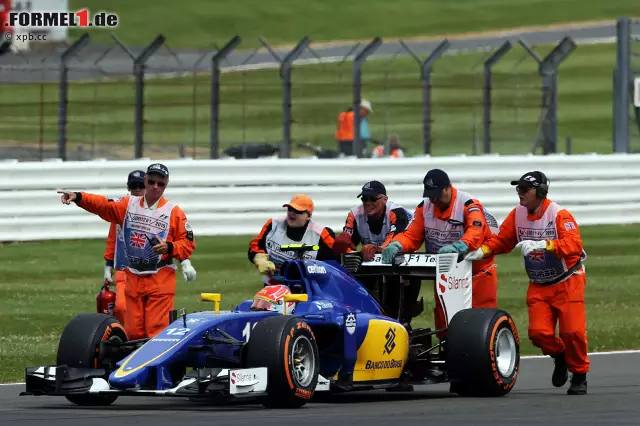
x=621, y=80
x=426, y=92
x=548, y=70
x=286, y=66
x=139, y=63
x=425, y=79
x=357, y=83
x=488, y=65
x=64, y=92
x=220, y=55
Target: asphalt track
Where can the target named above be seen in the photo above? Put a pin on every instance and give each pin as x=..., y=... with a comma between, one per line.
x=113, y=62
x=614, y=391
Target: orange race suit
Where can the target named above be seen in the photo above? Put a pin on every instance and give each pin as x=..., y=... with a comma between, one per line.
x=377, y=233
x=119, y=278
x=557, y=279
x=464, y=220
x=150, y=277
x=276, y=233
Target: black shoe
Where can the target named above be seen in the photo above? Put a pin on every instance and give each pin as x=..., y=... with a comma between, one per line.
x=560, y=372
x=578, y=384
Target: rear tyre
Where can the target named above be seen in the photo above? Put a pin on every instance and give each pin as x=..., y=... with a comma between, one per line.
x=287, y=347
x=80, y=347
x=483, y=353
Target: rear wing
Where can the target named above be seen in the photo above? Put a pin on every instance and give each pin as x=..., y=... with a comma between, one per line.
x=453, y=279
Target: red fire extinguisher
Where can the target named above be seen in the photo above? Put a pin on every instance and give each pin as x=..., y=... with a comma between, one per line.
x=105, y=300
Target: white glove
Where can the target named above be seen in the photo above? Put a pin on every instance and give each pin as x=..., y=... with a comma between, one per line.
x=477, y=254
x=188, y=271
x=108, y=270
x=528, y=246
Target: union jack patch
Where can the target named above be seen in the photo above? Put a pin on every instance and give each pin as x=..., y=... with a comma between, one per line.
x=536, y=256
x=137, y=239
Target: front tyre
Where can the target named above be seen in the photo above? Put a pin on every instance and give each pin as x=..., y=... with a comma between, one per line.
x=80, y=347
x=287, y=347
x=483, y=352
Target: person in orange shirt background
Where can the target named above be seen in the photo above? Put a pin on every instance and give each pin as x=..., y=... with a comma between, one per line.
x=155, y=232
x=391, y=149
x=115, y=255
x=345, y=128
x=450, y=221
x=551, y=245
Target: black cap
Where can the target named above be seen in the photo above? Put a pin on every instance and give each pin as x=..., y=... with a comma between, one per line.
x=136, y=176
x=434, y=182
x=158, y=168
x=373, y=188
x=531, y=180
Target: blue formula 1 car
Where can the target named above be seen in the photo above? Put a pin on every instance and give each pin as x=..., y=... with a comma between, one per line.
x=338, y=339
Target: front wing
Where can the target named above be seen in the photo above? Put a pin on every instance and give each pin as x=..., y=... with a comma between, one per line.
x=63, y=380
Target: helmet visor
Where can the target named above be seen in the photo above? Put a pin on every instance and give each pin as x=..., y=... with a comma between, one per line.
x=261, y=305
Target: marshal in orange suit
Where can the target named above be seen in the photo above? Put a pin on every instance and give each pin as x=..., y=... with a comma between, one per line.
x=155, y=232
x=551, y=245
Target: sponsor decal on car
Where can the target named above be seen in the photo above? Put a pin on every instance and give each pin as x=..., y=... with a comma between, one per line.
x=383, y=365
x=350, y=323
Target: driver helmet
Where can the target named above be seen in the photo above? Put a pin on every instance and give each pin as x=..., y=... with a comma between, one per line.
x=271, y=298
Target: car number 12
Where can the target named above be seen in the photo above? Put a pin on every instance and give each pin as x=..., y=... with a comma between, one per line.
x=246, y=332
x=177, y=331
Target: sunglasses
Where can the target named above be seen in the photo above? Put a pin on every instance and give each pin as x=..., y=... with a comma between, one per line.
x=366, y=199
x=137, y=186
x=152, y=182
x=291, y=209
x=521, y=190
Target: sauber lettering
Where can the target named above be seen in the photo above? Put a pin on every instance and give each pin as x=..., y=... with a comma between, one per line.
x=383, y=365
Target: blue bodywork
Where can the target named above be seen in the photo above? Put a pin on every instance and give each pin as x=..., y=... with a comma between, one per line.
x=333, y=295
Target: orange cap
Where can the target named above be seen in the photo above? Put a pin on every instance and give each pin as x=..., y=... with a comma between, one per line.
x=301, y=202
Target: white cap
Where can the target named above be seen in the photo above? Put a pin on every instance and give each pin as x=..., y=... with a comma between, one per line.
x=366, y=105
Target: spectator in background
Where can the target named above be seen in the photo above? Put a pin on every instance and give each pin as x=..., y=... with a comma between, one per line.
x=345, y=128
x=392, y=149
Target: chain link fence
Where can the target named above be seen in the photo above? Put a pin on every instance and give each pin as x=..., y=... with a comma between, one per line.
x=634, y=112
x=114, y=101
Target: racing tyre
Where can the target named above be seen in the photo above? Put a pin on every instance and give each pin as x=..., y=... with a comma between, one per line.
x=287, y=347
x=482, y=353
x=80, y=347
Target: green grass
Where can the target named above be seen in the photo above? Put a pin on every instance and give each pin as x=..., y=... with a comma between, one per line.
x=177, y=110
x=198, y=23
x=45, y=284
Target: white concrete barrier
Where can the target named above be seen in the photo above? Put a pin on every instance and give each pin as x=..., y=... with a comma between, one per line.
x=226, y=197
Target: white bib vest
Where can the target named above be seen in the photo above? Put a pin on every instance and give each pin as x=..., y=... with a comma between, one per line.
x=439, y=233
x=364, y=230
x=278, y=237
x=542, y=266
x=139, y=225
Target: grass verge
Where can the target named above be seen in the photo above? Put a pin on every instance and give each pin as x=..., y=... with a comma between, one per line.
x=45, y=284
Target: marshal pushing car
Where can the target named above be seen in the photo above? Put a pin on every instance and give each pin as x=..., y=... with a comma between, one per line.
x=323, y=332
